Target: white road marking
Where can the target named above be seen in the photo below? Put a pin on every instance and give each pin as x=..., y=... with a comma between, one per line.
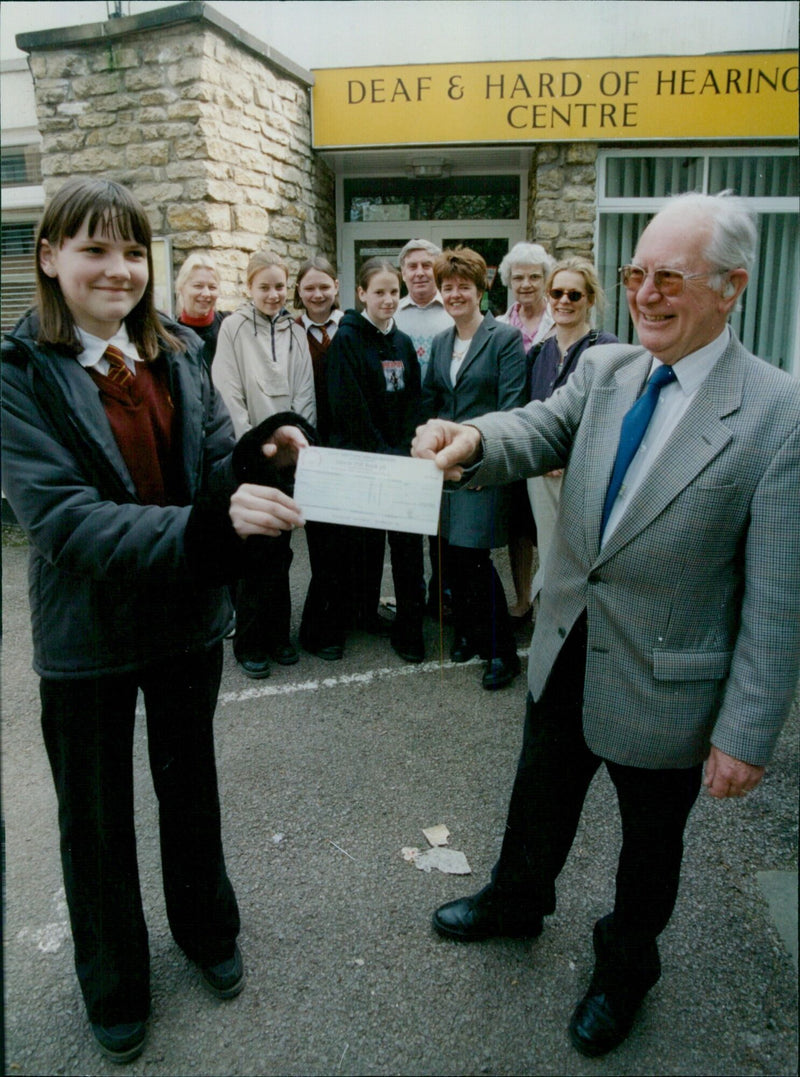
x=369, y=676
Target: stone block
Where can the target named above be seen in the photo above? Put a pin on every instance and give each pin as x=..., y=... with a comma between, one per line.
x=144, y=78
x=545, y=230
x=150, y=153
x=96, y=119
x=153, y=114
x=52, y=93
x=65, y=65
x=576, y=193
x=73, y=108
x=198, y=217
x=187, y=110
x=95, y=85
x=98, y=159
x=550, y=178
x=116, y=102
x=578, y=230
x=285, y=228
x=250, y=218
x=581, y=153
x=186, y=70
x=194, y=146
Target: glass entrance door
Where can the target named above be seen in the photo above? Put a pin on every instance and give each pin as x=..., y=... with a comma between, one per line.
x=364, y=240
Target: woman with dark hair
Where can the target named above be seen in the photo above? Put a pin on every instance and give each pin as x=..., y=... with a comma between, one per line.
x=477, y=366
x=374, y=395
x=117, y=462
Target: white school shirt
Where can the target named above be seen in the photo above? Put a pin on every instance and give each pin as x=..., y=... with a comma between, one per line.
x=94, y=347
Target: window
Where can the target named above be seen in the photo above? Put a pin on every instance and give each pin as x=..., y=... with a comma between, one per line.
x=20, y=166
x=633, y=186
x=456, y=198
x=17, y=279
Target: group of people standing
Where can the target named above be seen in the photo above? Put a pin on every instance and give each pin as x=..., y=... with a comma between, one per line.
x=668, y=635
x=364, y=381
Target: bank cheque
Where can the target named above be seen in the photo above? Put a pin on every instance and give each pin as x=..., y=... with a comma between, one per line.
x=362, y=489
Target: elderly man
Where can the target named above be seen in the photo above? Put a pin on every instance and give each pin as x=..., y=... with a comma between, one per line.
x=421, y=314
x=669, y=627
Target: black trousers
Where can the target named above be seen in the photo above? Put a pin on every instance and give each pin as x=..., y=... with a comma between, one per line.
x=88, y=732
x=553, y=776
x=263, y=598
x=480, y=610
x=360, y=569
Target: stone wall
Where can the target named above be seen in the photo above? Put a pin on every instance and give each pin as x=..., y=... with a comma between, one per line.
x=212, y=137
x=562, y=201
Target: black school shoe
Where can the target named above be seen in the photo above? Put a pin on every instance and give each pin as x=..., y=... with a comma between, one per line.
x=226, y=979
x=120, y=1043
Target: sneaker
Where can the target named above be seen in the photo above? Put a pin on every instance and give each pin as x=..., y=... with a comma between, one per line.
x=226, y=979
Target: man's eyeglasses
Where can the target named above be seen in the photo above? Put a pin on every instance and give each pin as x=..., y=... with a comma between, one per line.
x=573, y=295
x=669, y=282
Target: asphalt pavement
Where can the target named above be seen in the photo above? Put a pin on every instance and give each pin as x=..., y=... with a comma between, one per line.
x=327, y=772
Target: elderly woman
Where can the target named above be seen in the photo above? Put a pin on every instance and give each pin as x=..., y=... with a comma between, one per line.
x=575, y=294
x=477, y=366
x=196, y=291
x=524, y=270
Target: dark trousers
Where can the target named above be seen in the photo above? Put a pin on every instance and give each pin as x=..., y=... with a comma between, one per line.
x=553, y=776
x=361, y=570
x=324, y=617
x=480, y=610
x=88, y=732
x=263, y=598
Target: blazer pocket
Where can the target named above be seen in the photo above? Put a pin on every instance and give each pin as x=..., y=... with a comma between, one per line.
x=691, y=665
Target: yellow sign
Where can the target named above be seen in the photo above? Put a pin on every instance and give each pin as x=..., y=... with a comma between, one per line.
x=739, y=95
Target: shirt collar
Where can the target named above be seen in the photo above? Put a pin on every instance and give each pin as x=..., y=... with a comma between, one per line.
x=335, y=317
x=693, y=369
x=407, y=301
x=385, y=331
x=94, y=347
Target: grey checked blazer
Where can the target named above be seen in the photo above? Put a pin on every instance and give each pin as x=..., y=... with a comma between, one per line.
x=693, y=605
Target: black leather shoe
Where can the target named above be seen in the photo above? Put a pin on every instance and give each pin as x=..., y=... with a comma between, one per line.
x=601, y=1022
x=120, y=1043
x=477, y=917
x=254, y=668
x=286, y=655
x=226, y=979
x=331, y=652
x=500, y=672
x=410, y=646
x=463, y=650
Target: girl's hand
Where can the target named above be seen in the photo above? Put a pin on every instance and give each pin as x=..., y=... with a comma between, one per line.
x=263, y=510
x=284, y=446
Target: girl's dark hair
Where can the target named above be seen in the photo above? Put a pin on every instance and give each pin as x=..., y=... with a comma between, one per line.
x=112, y=210
x=320, y=262
x=461, y=262
x=373, y=266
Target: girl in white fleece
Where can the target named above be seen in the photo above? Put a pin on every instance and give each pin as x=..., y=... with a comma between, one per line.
x=262, y=367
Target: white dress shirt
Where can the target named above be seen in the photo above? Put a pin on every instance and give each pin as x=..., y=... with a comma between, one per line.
x=94, y=348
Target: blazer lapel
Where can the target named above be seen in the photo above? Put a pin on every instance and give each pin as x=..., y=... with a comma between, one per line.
x=477, y=344
x=696, y=440
x=611, y=405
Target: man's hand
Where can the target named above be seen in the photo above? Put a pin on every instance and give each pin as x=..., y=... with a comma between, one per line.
x=262, y=510
x=284, y=446
x=452, y=446
x=729, y=777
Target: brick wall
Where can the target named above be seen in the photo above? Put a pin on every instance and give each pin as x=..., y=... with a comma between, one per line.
x=212, y=137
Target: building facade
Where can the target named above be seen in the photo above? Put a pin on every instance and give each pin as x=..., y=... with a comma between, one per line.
x=232, y=146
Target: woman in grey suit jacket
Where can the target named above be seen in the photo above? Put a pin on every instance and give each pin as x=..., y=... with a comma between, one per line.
x=475, y=367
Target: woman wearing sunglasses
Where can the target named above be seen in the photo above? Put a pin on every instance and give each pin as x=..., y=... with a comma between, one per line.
x=574, y=293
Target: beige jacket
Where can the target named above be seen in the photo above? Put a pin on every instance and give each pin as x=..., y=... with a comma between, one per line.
x=262, y=367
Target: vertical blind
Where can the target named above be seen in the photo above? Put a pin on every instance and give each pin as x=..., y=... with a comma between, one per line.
x=766, y=317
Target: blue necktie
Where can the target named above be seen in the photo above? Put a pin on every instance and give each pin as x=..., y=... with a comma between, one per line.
x=634, y=425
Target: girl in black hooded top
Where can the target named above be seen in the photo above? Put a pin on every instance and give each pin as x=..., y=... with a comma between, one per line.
x=375, y=395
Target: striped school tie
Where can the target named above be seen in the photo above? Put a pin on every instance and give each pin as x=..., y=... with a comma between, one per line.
x=118, y=370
